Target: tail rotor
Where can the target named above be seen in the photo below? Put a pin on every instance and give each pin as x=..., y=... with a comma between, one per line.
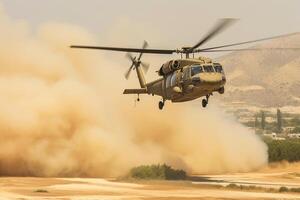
x=136, y=62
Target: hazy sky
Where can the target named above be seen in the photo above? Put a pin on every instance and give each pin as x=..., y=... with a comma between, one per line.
x=164, y=23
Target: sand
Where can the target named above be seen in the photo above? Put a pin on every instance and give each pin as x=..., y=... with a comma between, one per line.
x=200, y=188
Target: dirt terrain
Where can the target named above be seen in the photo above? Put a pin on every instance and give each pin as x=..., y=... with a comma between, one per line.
x=199, y=187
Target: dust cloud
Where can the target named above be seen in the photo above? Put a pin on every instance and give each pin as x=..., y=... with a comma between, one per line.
x=282, y=166
x=63, y=114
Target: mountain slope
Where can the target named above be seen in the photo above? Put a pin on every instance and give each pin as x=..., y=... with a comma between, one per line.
x=268, y=77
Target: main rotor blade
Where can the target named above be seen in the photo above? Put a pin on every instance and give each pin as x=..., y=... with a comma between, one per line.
x=151, y=51
x=247, y=42
x=130, y=56
x=145, y=45
x=221, y=25
x=253, y=49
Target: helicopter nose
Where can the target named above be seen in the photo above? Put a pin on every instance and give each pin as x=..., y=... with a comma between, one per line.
x=211, y=78
x=196, y=80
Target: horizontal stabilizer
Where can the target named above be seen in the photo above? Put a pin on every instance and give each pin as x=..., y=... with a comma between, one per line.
x=135, y=91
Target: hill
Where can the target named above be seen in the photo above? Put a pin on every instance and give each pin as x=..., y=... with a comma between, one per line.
x=267, y=77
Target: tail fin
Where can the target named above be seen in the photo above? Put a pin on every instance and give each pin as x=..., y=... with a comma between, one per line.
x=141, y=77
x=135, y=91
x=143, y=89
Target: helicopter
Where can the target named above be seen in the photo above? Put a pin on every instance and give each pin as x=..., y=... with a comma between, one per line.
x=183, y=79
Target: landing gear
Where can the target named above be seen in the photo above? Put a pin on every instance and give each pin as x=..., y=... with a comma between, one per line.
x=161, y=104
x=205, y=101
x=221, y=90
x=138, y=98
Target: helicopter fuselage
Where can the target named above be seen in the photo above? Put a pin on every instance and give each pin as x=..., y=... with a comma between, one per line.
x=190, y=79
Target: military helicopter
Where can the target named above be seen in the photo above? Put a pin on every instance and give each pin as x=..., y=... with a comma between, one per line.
x=181, y=79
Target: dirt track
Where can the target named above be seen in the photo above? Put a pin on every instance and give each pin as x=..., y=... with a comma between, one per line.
x=86, y=188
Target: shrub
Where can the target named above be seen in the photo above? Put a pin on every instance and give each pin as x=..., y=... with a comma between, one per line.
x=157, y=172
x=233, y=186
x=41, y=191
x=295, y=189
x=296, y=130
x=283, y=189
x=283, y=150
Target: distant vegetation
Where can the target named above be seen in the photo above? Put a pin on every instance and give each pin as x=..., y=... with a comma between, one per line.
x=234, y=186
x=281, y=121
x=283, y=189
x=41, y=191
x=280, y=150
x=157, y=172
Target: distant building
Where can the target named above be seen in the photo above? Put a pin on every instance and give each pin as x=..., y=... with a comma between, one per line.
x=274, y=136
x=294, y=135
x=279, y=138
x=270, y=119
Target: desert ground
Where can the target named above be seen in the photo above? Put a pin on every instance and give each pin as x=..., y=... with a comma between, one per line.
x=267, y=182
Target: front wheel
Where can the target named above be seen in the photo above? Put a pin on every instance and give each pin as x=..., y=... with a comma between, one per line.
x=161, y=105
x=221, y=90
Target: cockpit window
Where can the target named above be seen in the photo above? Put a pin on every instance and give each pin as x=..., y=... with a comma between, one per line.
x=218, y=68
x=196, y=69
x=208, y=68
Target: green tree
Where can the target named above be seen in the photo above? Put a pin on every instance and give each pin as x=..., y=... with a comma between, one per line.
x=283, y=150
x=157, y=172
x=279, y=121
x=296, y=130
x=263, y=120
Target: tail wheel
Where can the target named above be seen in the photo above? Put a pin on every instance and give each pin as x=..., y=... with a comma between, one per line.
x=204, y=103
x=161, y=105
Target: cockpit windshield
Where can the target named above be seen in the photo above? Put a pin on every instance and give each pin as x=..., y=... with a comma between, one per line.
x=218, y=68
x=196, y=69
x=208, y=68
